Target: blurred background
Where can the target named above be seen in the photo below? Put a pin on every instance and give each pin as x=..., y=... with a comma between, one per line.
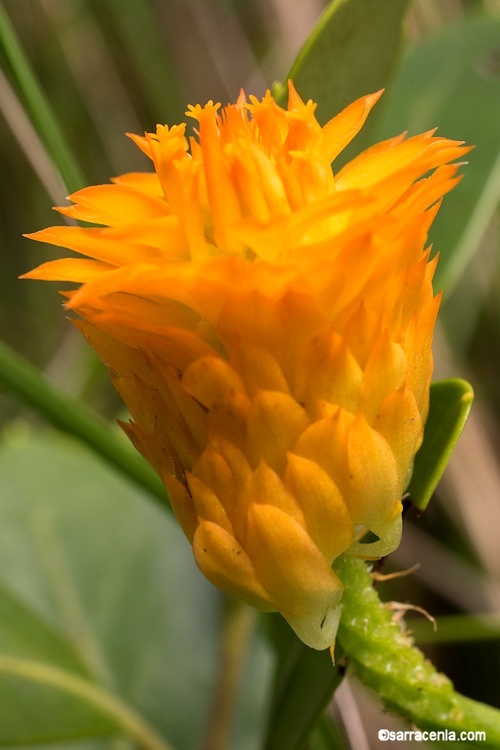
x=113, y=66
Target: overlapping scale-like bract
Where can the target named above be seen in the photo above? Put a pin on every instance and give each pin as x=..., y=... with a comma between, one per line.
x=268, y=322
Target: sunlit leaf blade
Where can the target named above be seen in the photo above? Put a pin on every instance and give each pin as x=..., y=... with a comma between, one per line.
x=451, y=81
x=351, y=52
x=450, y=405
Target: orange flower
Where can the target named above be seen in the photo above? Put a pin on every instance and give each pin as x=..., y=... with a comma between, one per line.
x=268, y=323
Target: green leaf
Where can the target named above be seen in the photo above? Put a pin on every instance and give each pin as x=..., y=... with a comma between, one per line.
x=100, y=572
x=455, y=628
x=107, y=628
x=29, y=640
x=451, y=81
x=327, y=735
x=305, y=682
x=450, y=405
x=351, y=51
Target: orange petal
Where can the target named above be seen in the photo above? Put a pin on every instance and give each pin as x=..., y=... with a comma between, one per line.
x=69, y=269
x=340, y=130
x=114, y=205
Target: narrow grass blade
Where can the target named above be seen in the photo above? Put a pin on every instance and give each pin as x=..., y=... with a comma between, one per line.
x=28, y=384
x=37, y=105
x=455, y=628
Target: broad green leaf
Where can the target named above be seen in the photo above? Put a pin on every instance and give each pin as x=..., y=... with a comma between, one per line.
x=351, y=51
x=450, y=405
x=451, y=80
x=29, y=640
x=107, y=628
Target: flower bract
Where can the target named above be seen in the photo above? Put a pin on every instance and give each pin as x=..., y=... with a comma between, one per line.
x=268, y=322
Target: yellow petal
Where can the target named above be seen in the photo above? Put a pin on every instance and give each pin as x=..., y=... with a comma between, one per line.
x=182, y=505
x=269, y=326
x=211, y=379
x=399, y=421
x=223, y=561
x=265, y=486
x=275, y=422
x=373, y=477
x=326, y=516
x=258, y=369
x=207, y=505
x=294, y=573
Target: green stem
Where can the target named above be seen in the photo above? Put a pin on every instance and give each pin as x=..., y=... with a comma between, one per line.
x=37, y=105
x=72, y=417
x=237, y=629
x=126, y=719
x=385, y=659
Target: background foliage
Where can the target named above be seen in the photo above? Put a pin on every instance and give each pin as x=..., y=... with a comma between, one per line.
x=95, y=580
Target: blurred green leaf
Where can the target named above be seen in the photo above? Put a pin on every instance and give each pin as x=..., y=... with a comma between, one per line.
x=450, y=405
x=38, y=105
x=327, y=736
x=101, y=602
x=97, y=580
x=455, y=628
x=451, y=80
x=351, y=51
x=304, y=684
x=29, y=640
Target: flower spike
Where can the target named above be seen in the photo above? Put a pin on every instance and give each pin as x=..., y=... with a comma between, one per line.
x=269, y=325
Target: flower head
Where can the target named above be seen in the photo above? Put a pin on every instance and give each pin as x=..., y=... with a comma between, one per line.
x=268, y=322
